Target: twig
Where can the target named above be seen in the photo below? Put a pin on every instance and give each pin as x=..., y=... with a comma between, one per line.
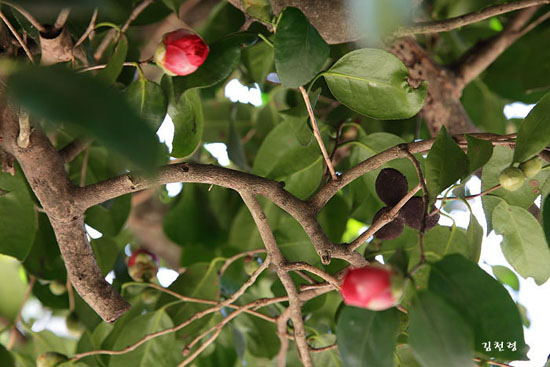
x=88, y=30
x=62, y=18
x=204, y=345
x=17, y=37
x=489, y=190
x=23, y=139
x=74, y=148
x=534, y=24
x=383, y=219
x=70, y=294
x=278, y=259
x=313, y=270
x=103, y=66
x=84, y=167
x=324, y=349
x=11, y=341
x=27, y=16
x=474, y=17
x=135, y=13
x=283, y=337
x=494, y=363
x=304, y=276
x=248, y=283
x=317, y=134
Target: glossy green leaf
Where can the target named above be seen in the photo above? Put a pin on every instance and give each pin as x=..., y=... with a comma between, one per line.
x=111, y=72
x=484, y=107
x=235, y=150
x=482, y=302
x=157, y=351
x=523, y=244
x=474, y=236
x=258, y=60
x=506, y=276
x=12, y=292
x=300, y=51
x=261, y=336
x=223, y=19
x=200, y=280
x=110, y=216
x=534, y=132
x=479, y=153
x=438, y=334
x=60, y=95
x=373, y=82
x=148, y=99
x=106, y=250
x=440, y=174
x=367, y=338
x=188, y=124
x=18, y=223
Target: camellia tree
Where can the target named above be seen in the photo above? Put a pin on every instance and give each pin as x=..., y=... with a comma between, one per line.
x=319, y=243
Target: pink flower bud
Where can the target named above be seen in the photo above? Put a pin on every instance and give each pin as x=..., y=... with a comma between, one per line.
x=372, y=287
x=181, y=52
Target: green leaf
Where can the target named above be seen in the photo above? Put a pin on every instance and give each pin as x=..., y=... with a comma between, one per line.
x=546, y=218
x=235, y=150
x=261, y=336
x=484, y=107
x=60, y=95
x=534, y=132
x=222, y=59
x=474, y=235
x=367, y=338
x=111, y=72
x=404, y=356
x=188, y=124
x=483, y=303
x=159, y=351
x=300, y=51
x=17, y=226
x=438, y=334
x=479, y=153
x=506, y=276
x=222, y=20
x=200, y=280
x=6, y=358
x=106, y=251
x=110, y=216
x=333, y=218
x=149, y=100
x=373, y=82
x=258, y=60
x=523, y=244
x=12, y=292
x=259, y=9
x=446, y=163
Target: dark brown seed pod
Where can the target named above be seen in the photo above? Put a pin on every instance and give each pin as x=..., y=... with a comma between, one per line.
x=412, y=211
x=391, y=230
x=391, y=185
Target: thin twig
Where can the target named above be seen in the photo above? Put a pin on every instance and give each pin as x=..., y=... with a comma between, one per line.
x=489, y=190
x=17, y=37
x=232, y=259
x=11, y=341
x=103, y=66
x=383, y=219
x=202, y=347
x=84, y=167
x=27, y=16
x=313, y=270
x=494, y=363
x=283, y=337
x=474, y=17
x=317, y=134
x=62, y=18
x=135, y=13
x=89, y=30
x=74, y=148
x=534, y=24
x=324, y=349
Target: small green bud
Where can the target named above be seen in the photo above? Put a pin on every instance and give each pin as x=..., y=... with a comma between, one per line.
x=511, y=178
x=50, y=359
x=531, y=167
x=149, y=296
x=74, y=325
x=250, y=265
x=57, y=288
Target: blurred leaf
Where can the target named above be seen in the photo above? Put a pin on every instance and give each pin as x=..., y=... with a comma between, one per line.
x=333, y=218
x=235, y=150
x=404, y=356
x=474, y=235
x=482, y=302
x=188, y=124
x=17, y=226
x=484, y=107
x=110, y=216
x=438, y=334
x=223, y=19
x=60, y=95
x=506, y=276
x=439, y=173
x=259, y=9
x=158, y=351
x=367, y=338
x=149, y=100
x=6, y=358
x=523, y=244
x=534, y=132
x=373, y=82
x=111, y=72
x=300, y=51
x=12, y=289
x=261, y=336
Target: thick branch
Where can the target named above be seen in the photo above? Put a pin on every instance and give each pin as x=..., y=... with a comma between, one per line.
x=45, y=172
x=479, y=57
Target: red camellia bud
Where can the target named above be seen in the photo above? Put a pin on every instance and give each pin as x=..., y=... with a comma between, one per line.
x=181, y=52
x=372, y=287
x=143, y=265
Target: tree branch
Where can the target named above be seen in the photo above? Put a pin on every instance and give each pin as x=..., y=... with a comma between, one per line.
x=463, y=20
x=279, y=262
